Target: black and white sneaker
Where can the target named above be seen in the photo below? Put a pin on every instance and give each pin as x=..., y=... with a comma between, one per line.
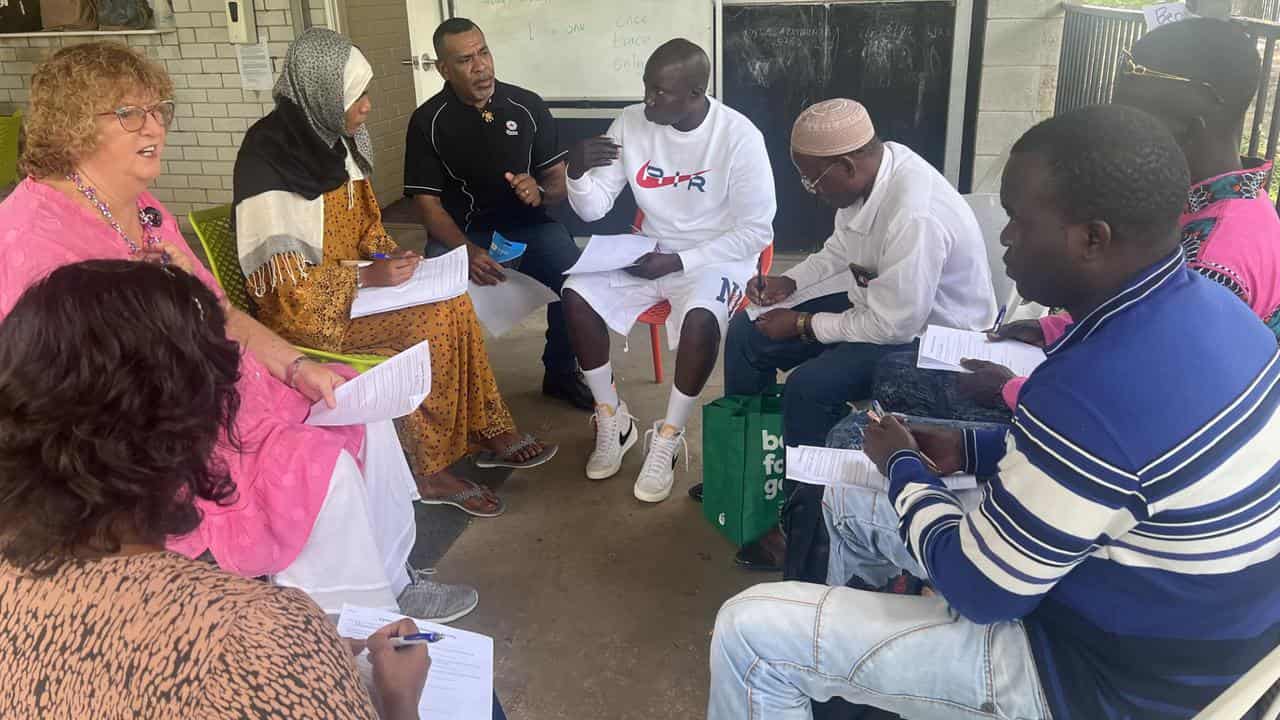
x=616, y=433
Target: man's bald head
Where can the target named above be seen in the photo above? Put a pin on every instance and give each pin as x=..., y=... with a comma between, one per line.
x=675, y=83
x=689, y=59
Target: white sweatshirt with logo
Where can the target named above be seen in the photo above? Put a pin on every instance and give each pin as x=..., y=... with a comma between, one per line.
x=707, y=194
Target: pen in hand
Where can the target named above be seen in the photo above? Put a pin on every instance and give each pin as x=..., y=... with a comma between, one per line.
x=877, y=413
x=417, y=639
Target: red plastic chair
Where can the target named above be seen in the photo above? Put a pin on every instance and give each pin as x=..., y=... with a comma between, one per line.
x=656, y=316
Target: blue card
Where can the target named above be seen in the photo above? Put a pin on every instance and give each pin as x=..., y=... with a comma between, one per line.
x=504, y=251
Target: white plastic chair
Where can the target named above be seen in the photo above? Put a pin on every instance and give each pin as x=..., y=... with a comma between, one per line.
x=1253, y=689
x=991, y=219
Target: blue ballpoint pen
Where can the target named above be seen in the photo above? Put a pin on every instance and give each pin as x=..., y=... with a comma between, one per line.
x=417, y=639
x=380, y=256
x=999, y=319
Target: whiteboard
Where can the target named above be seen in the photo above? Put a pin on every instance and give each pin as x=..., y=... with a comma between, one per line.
x=584, y=49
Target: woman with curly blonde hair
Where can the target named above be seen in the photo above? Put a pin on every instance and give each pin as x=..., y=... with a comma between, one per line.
x=327, y=510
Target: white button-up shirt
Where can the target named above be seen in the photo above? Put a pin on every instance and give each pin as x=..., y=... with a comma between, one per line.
x=922, y=240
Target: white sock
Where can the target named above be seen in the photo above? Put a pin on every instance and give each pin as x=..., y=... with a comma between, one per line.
x=600, y=381
x=678, y=409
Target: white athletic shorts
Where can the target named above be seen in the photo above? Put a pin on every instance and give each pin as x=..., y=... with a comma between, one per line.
x=619, y=298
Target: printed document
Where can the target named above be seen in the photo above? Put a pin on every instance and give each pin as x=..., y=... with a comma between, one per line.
x=390, y=390
x=460, y=681
x=835, y=466
x=943, y=348
x=836, y=284
x=501, y=307
x=612, y=252
x=435, y=279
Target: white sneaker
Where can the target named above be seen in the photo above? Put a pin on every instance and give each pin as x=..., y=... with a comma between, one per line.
x=657, y=475
x=615, y=434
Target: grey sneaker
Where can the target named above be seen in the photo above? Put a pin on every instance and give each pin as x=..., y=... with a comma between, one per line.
x=437, y=602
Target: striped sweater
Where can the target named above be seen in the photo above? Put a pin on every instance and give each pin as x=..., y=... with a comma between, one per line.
x=1134, y=523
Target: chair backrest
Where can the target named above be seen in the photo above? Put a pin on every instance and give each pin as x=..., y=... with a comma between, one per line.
x=9, y=128
x=1253, y=695
x=213, y=227
x=991, y=219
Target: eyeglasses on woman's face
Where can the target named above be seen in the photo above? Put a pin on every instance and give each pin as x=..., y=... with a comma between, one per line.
x=1129, y=67
x=133, y=117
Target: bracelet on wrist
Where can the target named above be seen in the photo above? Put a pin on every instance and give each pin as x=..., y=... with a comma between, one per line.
x=291, y=372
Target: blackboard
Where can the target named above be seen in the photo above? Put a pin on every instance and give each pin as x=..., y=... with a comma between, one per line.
x=895, y=58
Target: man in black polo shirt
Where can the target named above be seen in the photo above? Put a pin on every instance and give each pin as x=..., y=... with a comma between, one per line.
x=481, y=156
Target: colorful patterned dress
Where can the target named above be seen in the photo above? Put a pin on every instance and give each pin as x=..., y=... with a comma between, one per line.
x=464, y=405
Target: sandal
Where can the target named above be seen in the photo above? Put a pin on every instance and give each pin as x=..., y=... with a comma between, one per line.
x=488, y=459
x=459, y=500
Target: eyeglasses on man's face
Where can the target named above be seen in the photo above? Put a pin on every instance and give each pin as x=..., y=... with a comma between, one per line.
x=812, y=185
x=132, y=117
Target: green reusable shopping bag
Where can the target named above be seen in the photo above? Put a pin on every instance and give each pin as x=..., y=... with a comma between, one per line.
x=742, y=464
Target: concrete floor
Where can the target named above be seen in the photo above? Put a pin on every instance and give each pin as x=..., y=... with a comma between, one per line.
x=601, y=606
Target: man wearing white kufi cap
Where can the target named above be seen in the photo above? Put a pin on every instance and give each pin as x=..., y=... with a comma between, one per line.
x=906, y=252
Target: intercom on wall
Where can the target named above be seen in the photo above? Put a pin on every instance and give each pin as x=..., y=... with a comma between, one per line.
x=241, y=27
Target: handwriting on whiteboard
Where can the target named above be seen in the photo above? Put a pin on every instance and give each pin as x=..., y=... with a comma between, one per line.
x=1165, y=13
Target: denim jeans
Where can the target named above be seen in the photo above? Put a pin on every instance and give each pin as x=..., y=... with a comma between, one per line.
x=902, y=387
x=863, y=525
x=778, y=645
x=551, y=251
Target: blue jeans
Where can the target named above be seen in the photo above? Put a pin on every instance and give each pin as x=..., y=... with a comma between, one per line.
x=551, y=251
x=777, y=646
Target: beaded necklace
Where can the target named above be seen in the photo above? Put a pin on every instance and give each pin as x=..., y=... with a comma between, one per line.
x=149, y=218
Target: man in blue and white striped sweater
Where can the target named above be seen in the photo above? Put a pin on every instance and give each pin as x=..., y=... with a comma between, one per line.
x=1123, y=561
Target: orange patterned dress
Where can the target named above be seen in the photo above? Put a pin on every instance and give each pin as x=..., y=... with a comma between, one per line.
x=315, y=311
x=160, y=636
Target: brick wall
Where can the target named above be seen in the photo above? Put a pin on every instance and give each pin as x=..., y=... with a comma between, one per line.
x=213, y=111
x=1019, y=77
x=381, y=29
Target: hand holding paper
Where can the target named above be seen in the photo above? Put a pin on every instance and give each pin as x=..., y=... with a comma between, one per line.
x=612, y=252
x=433, y=280
x=390, y=390
x=943, y=348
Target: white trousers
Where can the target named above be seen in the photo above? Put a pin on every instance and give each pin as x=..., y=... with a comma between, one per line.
x=358, y=550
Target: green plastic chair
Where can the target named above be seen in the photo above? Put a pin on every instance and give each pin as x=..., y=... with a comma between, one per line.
x=9, y=127
x=213, y=227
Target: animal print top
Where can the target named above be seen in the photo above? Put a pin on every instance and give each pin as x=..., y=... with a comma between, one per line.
x=161, y=636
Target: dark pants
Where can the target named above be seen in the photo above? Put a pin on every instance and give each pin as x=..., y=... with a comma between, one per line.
x=904, y=388
x=825, y=378
x=551, y=251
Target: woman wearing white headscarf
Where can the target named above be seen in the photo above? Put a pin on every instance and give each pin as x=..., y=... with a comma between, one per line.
x=304, y=205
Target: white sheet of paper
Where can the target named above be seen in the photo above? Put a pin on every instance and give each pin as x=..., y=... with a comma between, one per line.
x=436, y=279
x=255, y=67
x=1165, y=13
x=836, y=466
x=611, y=252
x=460, y=681
x=840, y=284
x=943, y=348
x=501, y=307
x=386, y=391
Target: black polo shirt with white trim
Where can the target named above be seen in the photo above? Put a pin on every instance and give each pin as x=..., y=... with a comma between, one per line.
x=460, y=154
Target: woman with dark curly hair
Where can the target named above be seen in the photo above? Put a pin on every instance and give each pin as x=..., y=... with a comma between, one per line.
x=117, y=382
x=325, y=509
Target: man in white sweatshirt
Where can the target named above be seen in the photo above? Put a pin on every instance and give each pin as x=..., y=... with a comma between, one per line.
x=906, y=252
x=701, y=176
